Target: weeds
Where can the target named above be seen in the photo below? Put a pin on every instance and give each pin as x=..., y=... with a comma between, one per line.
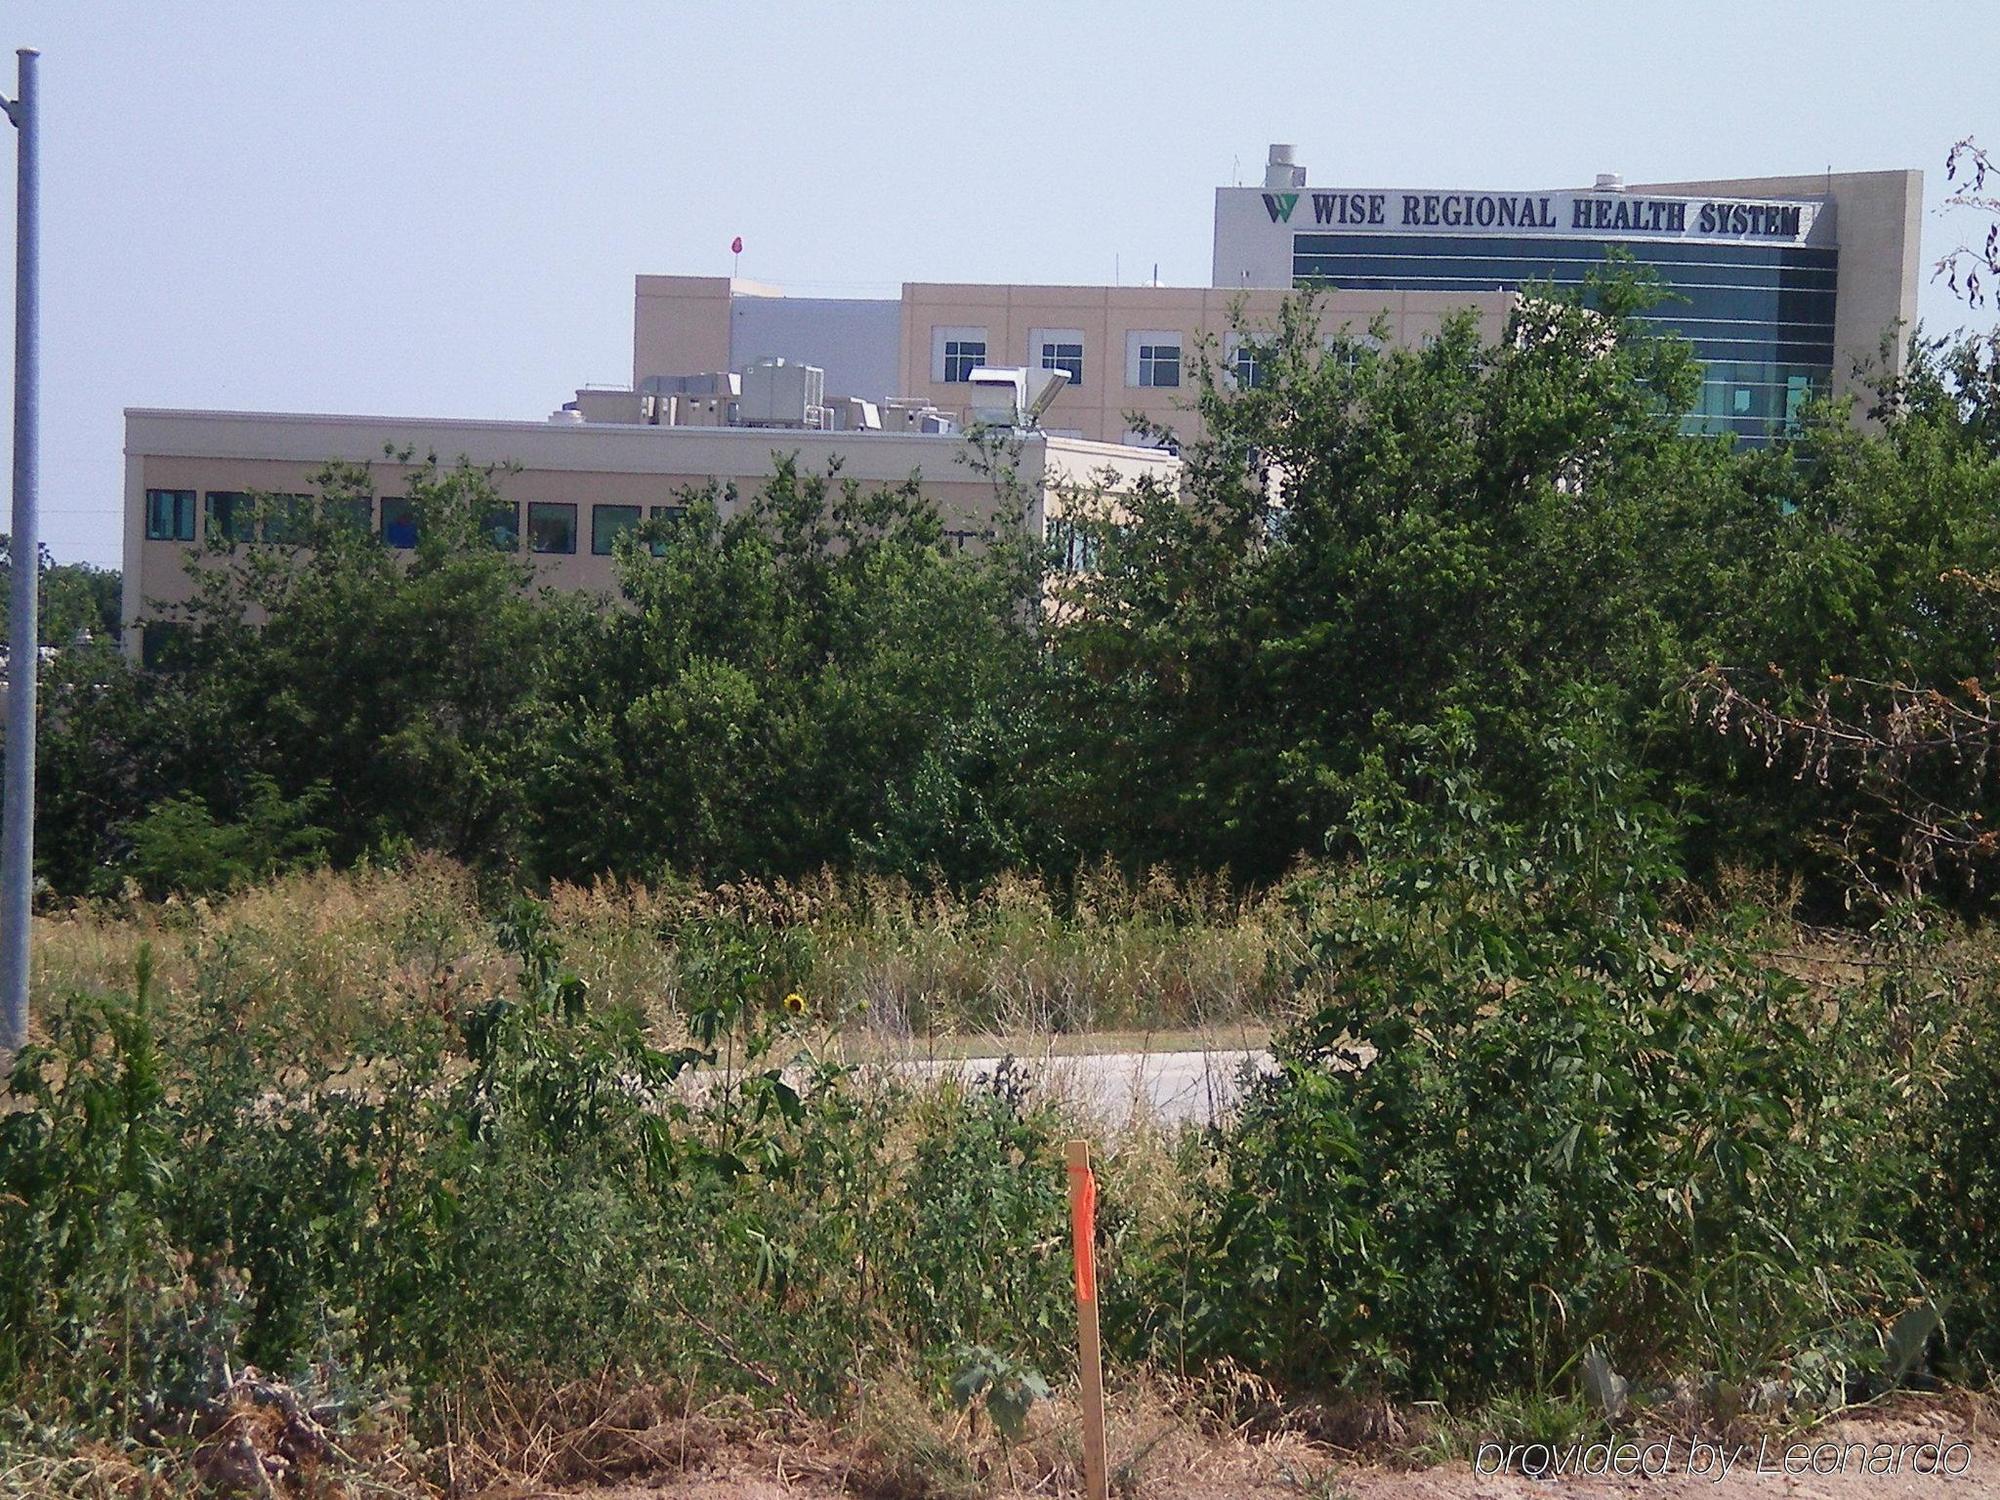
x=473, y=1193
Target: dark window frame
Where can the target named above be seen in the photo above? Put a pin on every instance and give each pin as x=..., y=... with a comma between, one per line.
x=960, y=362
x=406, y=525
x=501, y=526
x=231, y=522
x=181, y=528
x=542, y=508
x=1156, y=363
x=287, y=520
x=602, y=545
x=1054, y=359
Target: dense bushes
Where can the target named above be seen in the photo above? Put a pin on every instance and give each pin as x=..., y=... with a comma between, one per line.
x=525, y=1190
x=1366, y=541
x=1539, y=1118
x=1534, y=1112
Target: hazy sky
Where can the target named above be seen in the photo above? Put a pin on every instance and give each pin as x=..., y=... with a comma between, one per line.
x=437, y=209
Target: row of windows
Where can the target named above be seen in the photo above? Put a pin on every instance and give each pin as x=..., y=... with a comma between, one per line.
x=1708, y=299
x=1153, y=359
x=1491, y=270
x=237, y=516
x=1648, y=252
x=1802, y=309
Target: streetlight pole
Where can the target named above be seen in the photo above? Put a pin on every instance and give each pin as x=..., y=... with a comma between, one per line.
x=17, y=836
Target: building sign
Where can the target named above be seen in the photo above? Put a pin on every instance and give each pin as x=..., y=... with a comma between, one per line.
x=1568, y=214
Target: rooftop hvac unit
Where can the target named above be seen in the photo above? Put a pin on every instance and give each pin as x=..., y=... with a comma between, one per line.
x=700, y=411
x=905, y=413
x=779, y=394
x=852, y=414
x=707, y=383
x=1012, y=396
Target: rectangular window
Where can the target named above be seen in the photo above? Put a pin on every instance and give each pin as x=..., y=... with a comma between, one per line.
x=1160, y=365
x=607, y=524
x=551, y=527
x=288, y=519
x=169, y=515
x=502, y=527
x=232, y=517
x=1243, y=367
x=357, y=514
x=956, y=353
x=1057, y=349
x=1152, y=358
x=1074, y=549
x=662, y=516
x=961, y=358
x=399, y=521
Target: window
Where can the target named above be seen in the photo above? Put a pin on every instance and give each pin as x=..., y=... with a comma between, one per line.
x=551, y=527
x=956, y=353
x=1074, y=548
x=288, y=520
x=1244, y=368
x=1058, y=349
x=1349, y=351
x=502, y=527
x=608, y=523
x=169, y=515
x=1152, y=359
x=399, y=521
x=663, y=516
x=232, y=517
x=351, y=513
x=961, y=358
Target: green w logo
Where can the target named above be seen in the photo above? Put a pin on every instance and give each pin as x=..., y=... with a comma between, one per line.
x=1280, y=206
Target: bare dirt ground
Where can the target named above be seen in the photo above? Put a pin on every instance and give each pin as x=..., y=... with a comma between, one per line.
x=1903, y=1450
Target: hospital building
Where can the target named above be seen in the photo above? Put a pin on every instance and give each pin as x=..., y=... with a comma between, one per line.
x=1786, y=286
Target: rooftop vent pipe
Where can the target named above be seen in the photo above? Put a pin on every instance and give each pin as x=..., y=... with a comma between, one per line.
x=1281, y=170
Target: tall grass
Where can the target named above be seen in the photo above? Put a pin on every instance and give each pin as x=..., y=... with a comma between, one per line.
x=1113, y=954
x=435, y=1164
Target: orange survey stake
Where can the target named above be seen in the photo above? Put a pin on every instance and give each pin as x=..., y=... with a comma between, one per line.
x=1083, y=1228
x=1089, y=1362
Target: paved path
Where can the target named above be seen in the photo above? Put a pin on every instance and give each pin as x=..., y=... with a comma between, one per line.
x=1173, y=1087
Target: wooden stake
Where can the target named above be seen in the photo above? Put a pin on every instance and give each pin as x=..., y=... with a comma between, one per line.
x=1090, y=1365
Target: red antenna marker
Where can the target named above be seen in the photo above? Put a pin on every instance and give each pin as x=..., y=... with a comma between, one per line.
x=736, y=250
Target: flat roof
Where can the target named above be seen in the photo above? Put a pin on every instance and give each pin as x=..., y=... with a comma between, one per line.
x=318, y=437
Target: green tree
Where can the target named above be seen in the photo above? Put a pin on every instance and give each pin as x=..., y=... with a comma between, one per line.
x=1369, y=537
x=811, y=675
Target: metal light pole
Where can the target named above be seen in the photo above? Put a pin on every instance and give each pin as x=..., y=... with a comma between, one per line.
x=17, y=837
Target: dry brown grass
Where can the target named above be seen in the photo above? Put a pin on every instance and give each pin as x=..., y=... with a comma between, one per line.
x=1134, y=955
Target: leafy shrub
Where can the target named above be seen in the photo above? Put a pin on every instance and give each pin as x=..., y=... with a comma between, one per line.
x=523, y=1189
x=180, y=845
x=1537, y=1117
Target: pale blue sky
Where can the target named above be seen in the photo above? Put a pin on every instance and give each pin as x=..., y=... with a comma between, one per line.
x=436, y=209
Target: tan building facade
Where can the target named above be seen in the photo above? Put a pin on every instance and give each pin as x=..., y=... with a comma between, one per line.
x=1129, y=350
x=573, y=485
x=1785, y=286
